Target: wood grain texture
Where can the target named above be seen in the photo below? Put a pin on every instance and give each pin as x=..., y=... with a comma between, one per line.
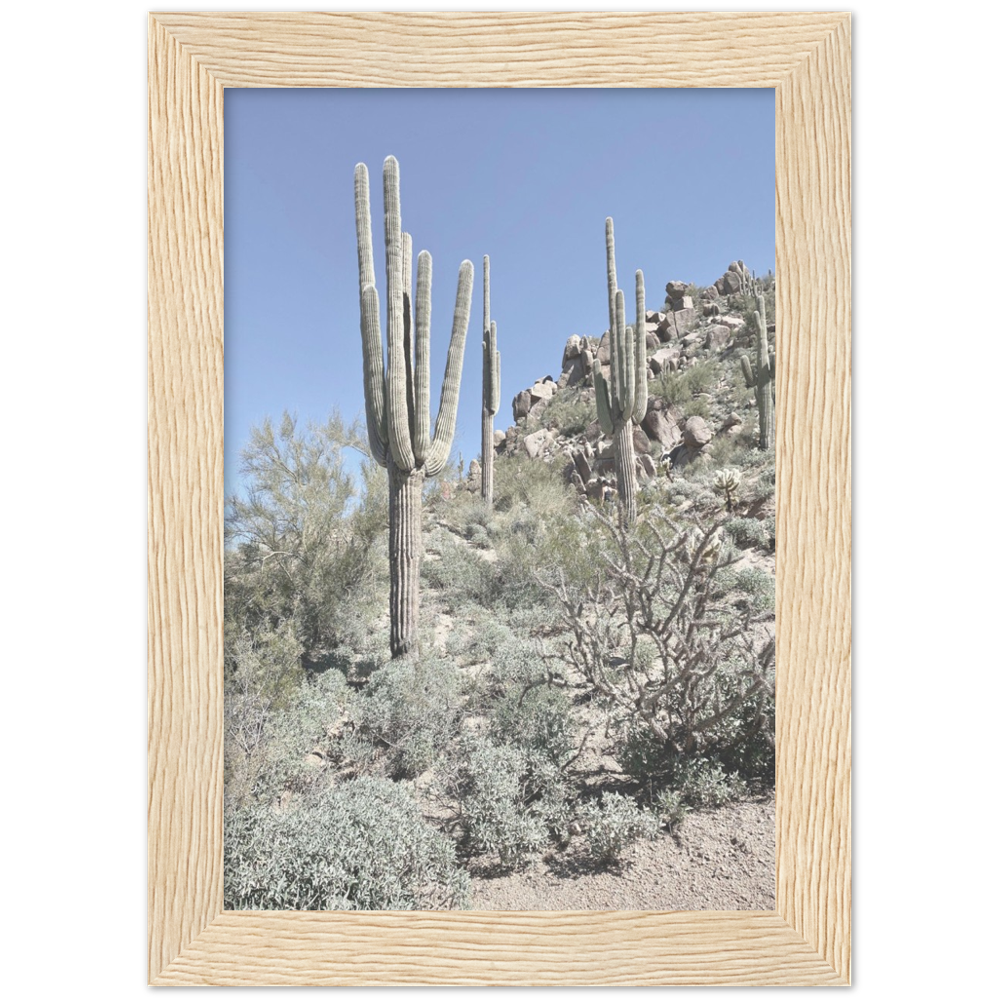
x=806, y=58
x=185, y=498
x=372, y=49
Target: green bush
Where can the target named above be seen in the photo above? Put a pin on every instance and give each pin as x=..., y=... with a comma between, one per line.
x=748, y=531
x=615, y=824
x=299, y=544
x=567, y=413
x=360, y=846
x=406, y=716
x=513, y=800
x=538, y=719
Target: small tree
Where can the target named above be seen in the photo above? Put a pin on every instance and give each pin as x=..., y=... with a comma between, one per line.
x=296, y=548
x=655, y=633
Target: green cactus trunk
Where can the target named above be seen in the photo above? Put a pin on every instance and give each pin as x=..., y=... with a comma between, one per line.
x=491, y=386
x=622, y=398
x=760, y=377
x=405, y=551
x=625, y=470
x=397, y=391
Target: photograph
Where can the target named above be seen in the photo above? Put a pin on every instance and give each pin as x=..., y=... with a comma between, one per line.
x=499, y=575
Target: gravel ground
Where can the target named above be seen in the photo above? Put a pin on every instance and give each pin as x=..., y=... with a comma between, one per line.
x=715, y=860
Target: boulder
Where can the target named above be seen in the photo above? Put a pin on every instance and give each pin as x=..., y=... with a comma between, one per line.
x=543, y=389
x=717, y=337
x=675, y=289
x=662, y=427
x=696, y=433
x=640, y=441
x=582, y=466
x=522, y=404
x=499, y=437
x=654, y=317
x=686, y=302
x=720, y=285
x=733, y=322
x=731, y=283
x=593, y=431
x=732, y=423
x=660, y=360
x=711, y=293
x=604, y=350
x=652, y=342
x=535, y=443
x=574, y=371
x=647, y=467
x=572, y=349
x=710, y=309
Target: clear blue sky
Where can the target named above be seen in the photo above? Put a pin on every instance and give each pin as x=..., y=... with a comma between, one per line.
x=526, y=176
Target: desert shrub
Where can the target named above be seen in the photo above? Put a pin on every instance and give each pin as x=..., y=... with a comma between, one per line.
x=748, y=531
x=297, y=549
x=674, y=387
x=669, y=808
x=461, y=574
x=758, y=586
x=535, y=718
x=513, y=800
x=522, y=482
x=727, y=450
x=614, y=824
x=405, y=716
x=567, y=413
x=657, y=637
x=703, y=783
x=698, y=406
x=359, y=846
x=274, y=716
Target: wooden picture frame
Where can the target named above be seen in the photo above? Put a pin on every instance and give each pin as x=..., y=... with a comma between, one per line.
x=806, y=58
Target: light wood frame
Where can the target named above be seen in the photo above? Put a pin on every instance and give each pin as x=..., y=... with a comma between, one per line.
x=806, y=58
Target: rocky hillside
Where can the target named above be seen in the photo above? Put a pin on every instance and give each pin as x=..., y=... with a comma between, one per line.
x=700, y=411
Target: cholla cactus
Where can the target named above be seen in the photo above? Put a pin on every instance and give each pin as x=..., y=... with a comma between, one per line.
x=760, y=378
x=622, y=397
x=727, y=482
x=397, y=396
x=491, y=386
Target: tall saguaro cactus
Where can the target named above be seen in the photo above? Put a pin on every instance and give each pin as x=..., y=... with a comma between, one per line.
x=397, y=395
x=491, y=386
x=760, y=377
x=622, y=398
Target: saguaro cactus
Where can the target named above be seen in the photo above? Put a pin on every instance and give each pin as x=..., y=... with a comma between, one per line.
x=397, y=396
x=491, y=386
x=761, y=377
x=621, y=400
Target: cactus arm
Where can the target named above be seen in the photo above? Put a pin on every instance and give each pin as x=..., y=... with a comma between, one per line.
x=363, y=224
x=371, y=343
x=603, y=400
x=628, y=403
x=609, y=247
x=422, y=361
x=492, y=398
x=486, y=296
x=444, y=426
x=398, y=410
x=408, y=329
x=641, y=386
x=371, y=334
x=496, y=377
x=747, y=372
